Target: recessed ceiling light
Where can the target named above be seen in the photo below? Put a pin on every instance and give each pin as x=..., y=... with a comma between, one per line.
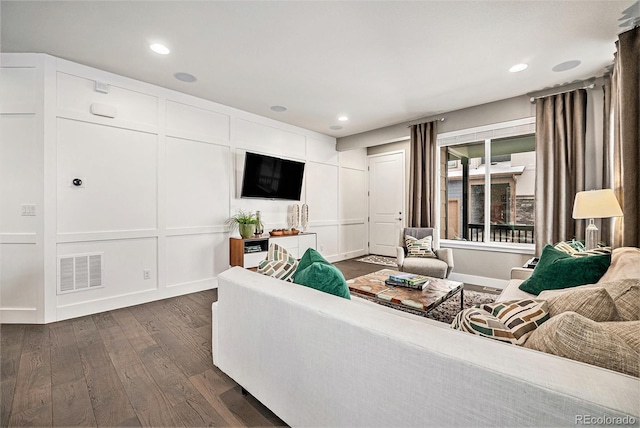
x=335, y=127
x=343, y=118
x=160, y=49
x=567, y=65
x=185, y=77
x=518, y=67
x=279, y=108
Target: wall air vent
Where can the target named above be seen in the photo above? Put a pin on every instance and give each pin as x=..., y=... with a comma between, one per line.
x=79, y=272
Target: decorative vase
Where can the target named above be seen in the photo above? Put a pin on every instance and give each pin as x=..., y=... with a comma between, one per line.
x=304, y=217
x=296, y=216
x=246, y=230
x=259, y=225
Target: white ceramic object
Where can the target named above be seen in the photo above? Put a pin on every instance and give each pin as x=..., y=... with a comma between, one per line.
x=304, y=217
x=296, y=216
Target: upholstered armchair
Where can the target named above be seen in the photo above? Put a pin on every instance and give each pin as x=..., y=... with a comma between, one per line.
x=437, y=267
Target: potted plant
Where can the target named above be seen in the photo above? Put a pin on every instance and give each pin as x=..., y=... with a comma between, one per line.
x=245, y=221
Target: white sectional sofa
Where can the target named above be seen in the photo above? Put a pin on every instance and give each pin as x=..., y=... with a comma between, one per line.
x=511, y=291
x=315, y=359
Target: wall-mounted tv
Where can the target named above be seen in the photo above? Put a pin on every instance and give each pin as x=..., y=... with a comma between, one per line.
x=268, y=177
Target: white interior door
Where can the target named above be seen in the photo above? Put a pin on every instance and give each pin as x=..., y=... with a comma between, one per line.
x=386, y=202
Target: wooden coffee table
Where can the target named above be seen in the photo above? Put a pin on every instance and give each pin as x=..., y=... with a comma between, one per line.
x=420, y=302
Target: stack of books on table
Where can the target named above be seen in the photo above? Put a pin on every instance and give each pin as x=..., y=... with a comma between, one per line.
x=409, y=280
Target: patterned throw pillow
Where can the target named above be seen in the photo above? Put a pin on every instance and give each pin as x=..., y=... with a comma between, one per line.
x=419, y=247
x=279, y=263
x=577, y=249
x=512, y=321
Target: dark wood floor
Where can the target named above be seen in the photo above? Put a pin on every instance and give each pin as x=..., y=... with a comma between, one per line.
x=147, y=365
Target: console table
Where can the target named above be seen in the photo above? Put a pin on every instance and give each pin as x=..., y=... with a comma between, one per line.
x=247, y=253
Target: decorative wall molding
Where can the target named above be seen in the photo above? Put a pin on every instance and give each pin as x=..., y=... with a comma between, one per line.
x=18, y=238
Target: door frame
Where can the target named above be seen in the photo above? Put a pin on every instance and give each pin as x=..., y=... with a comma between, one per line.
x=404, y=190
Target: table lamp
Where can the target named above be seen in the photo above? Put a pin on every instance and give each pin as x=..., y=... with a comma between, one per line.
x=595, y=204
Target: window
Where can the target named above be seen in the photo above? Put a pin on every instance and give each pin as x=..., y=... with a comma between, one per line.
x=489, y=201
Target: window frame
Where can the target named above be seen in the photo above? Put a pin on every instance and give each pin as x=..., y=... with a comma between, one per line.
x=486, y=133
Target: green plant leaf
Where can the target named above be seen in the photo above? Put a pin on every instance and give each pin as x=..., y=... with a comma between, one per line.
x=241, y=217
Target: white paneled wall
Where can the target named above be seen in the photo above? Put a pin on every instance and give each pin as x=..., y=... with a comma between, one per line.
x=118, y=168
x=322, y=151
x=196, y=258
x=323, y=204
x=353, y=236
x=20, y=279
x=196, y=123
x=161, y=173
x=124, y=263
x=18, y=147
x=76, y=95
x=353, y=196
x=258, y=137
x=21, y=177
x=194, y=170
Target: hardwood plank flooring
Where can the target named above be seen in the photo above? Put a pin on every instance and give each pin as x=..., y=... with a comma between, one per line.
x=146, y=365
x=72, y=404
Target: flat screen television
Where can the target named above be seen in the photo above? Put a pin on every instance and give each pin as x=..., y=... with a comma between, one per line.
x=268, y=177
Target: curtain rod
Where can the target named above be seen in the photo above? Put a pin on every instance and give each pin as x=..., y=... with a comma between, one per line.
x=418, y=122
x=590, y=86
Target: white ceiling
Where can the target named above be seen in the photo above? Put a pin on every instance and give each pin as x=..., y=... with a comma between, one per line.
x=378, y=62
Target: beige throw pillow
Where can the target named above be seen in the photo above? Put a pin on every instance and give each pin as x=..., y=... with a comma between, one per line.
x=573, y=336
x=591, y=302
x=625, y=263
x=629, y=331
x=626, y=295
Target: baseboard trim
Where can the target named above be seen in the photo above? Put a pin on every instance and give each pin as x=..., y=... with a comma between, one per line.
x=122, y=301
x=345, y=256
x=19, y=316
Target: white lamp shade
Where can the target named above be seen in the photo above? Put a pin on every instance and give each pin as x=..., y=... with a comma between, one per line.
x=596, y=204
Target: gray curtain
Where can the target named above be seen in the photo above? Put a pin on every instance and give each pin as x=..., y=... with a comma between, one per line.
x=422, y=178
x=606, y=228
x=560, y=172
x=621, y=168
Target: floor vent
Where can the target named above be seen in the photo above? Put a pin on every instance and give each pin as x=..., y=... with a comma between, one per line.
x=80, y=272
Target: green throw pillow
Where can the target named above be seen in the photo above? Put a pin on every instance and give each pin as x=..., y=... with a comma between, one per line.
x=557, y=269
x=310, y=256
x=323, y=277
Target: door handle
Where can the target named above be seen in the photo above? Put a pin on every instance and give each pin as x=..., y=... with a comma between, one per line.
x=399, y=218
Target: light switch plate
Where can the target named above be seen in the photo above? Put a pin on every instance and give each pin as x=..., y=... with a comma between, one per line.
x=28, y=210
